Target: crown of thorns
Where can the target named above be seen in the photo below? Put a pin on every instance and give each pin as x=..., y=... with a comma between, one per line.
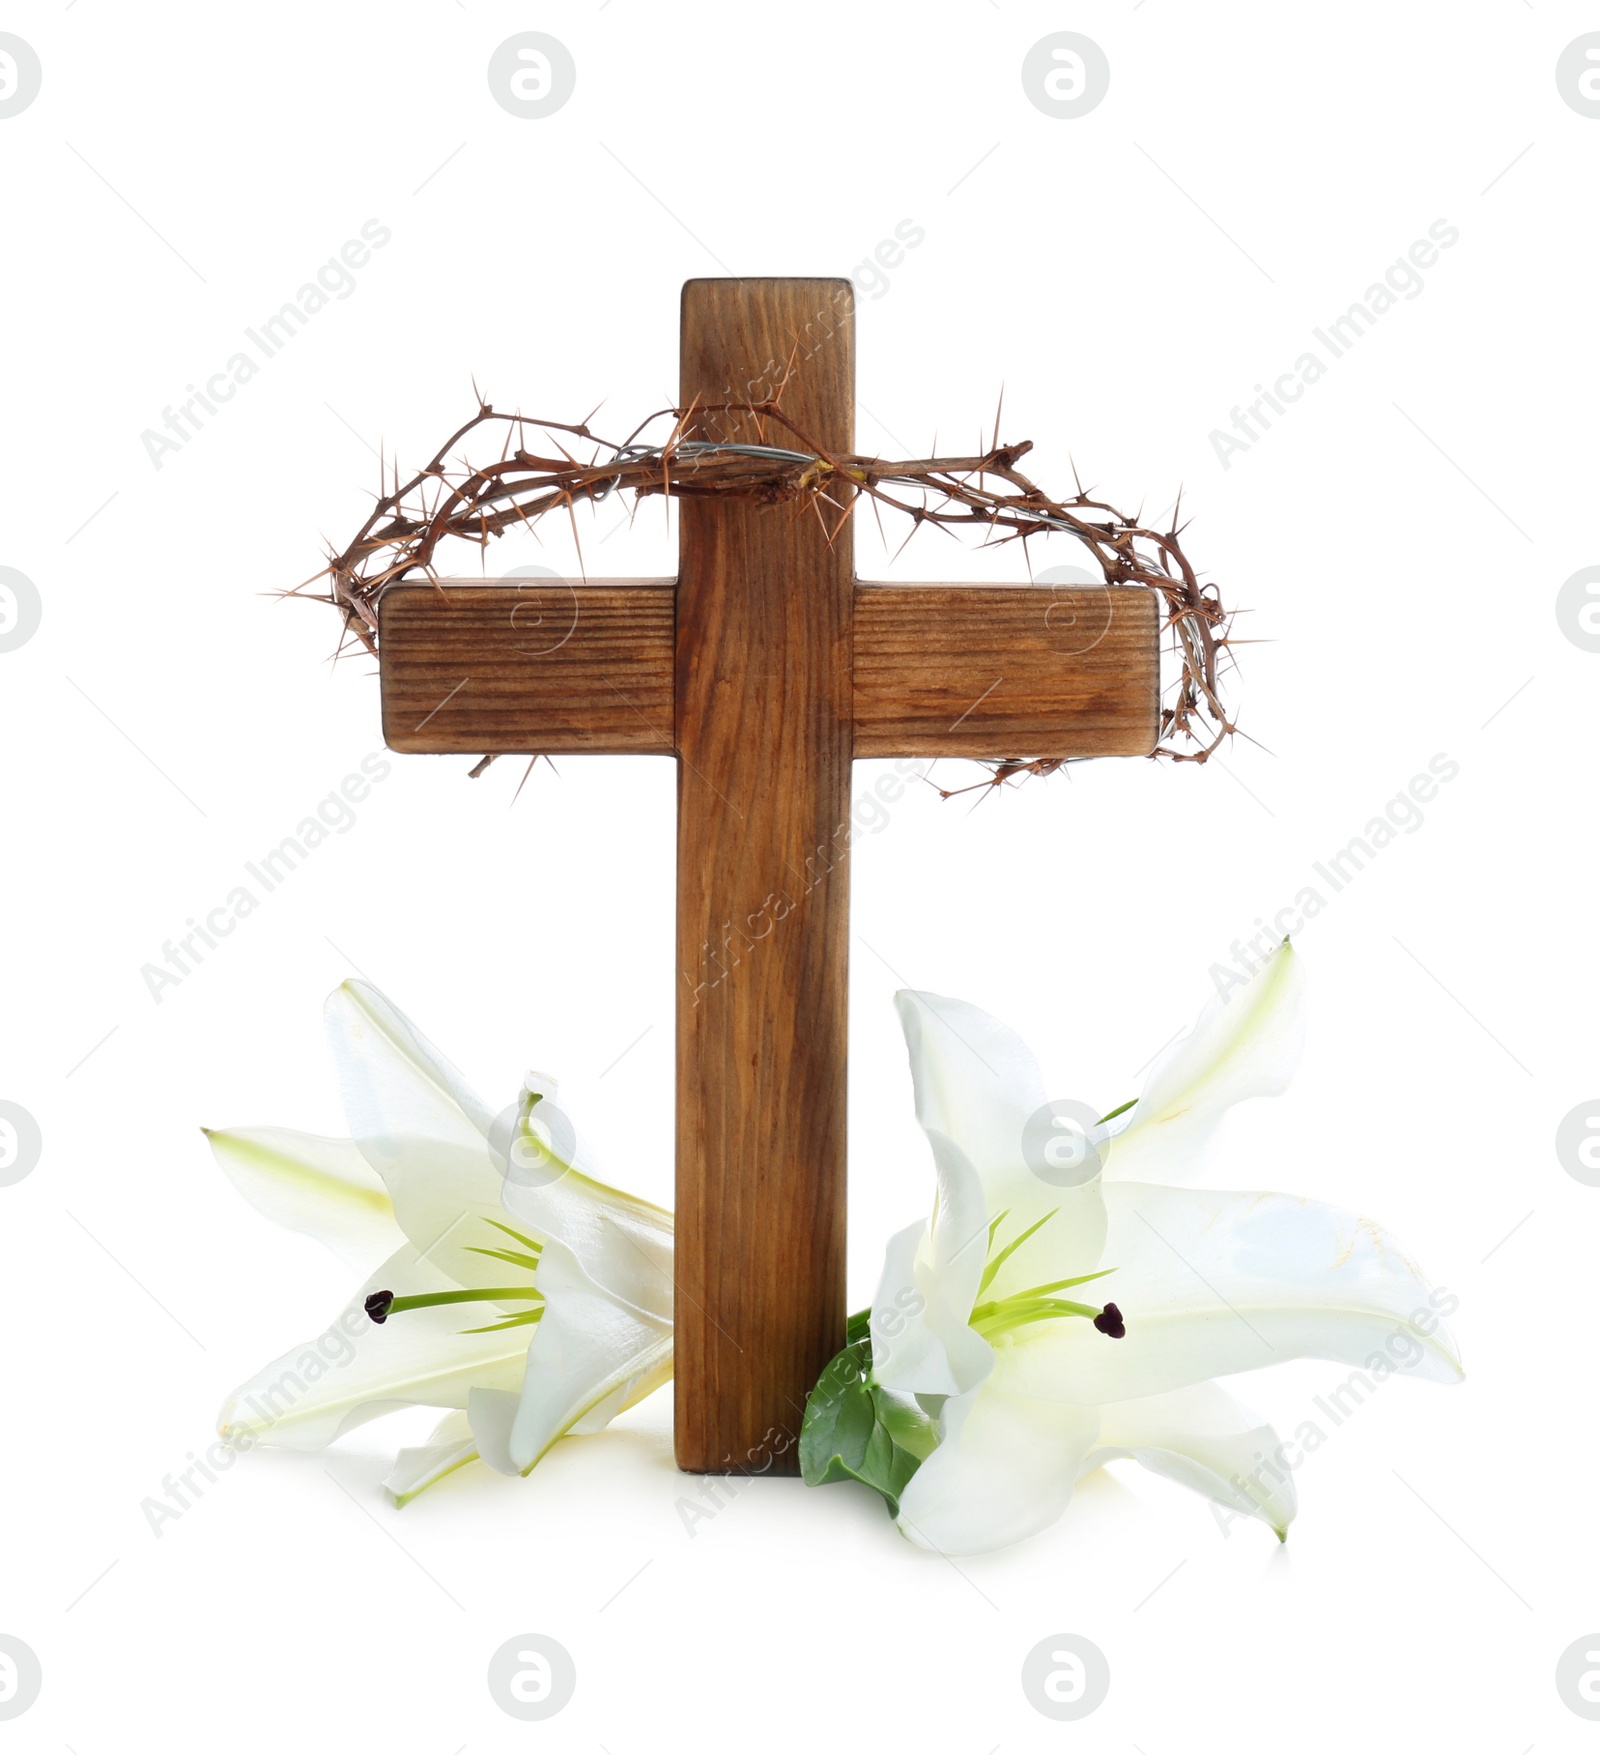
x=455, y=499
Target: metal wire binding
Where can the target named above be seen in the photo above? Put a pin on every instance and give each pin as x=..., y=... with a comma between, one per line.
x=710, y=447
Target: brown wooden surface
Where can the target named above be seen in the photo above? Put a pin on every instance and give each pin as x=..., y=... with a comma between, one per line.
x=528, y=665
x=940, y=670
x=986, y=670
x=764, y=741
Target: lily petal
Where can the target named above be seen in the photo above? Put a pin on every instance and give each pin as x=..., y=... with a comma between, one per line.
x=1004, y=1468
x=977, y=1087
x=1246, y=1045
x=622, y=1242
x=357, y=1369
x=1210, y=1283
x=492, y=1416
x=324, y=1188
x=1203, y=1439
x=976, y=1083
x=415, y=1119
x=450, y=1446
x=921, y=1341
x=593, y=1354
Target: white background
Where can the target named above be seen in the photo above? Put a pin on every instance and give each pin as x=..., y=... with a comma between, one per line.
x=1398, y=539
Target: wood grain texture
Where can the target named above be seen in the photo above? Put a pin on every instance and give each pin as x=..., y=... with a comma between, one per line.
x=763, y=703
x=528, y=666
x=987, y=670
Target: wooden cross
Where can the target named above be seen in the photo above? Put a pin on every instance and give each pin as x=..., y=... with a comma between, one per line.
x=764, y=667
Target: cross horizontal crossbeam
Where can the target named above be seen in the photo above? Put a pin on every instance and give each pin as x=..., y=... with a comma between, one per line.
x=561, y=668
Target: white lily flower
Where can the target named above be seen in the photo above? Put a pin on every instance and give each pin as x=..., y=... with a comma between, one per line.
x=979, y=1306
x=503, y=1281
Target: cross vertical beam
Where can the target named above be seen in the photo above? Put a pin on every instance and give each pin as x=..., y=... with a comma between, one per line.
x=763, y=717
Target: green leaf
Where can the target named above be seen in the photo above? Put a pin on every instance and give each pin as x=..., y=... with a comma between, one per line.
x=856, y=1430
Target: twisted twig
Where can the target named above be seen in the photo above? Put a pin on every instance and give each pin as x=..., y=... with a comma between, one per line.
x=476, y=502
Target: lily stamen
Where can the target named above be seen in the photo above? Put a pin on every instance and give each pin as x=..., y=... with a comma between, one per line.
x=1037, y=1303
x=380, y=1306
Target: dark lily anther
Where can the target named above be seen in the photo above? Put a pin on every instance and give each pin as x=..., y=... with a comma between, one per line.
x=1109, y=1321
x=378, y=1306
